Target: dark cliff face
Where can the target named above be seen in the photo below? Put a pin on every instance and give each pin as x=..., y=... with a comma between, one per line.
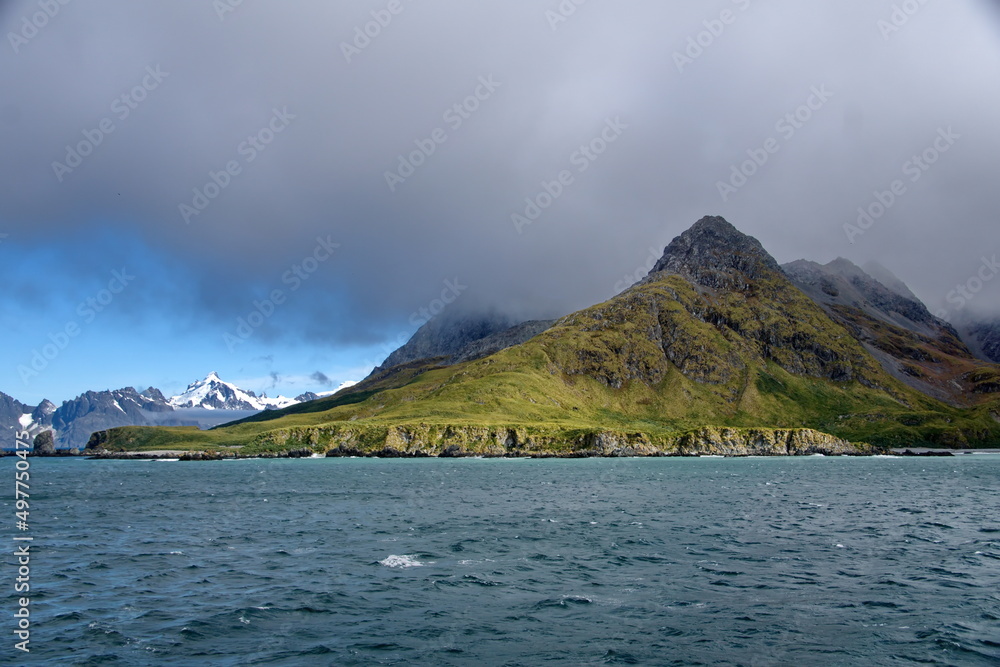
x=714, y=254
x=454, y=338
x=445, y=335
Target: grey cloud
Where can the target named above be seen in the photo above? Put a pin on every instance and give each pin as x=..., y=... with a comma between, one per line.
x=324, y=174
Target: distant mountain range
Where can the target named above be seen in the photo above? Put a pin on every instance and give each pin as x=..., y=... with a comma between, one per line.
x=204, y=403
x=719, y=350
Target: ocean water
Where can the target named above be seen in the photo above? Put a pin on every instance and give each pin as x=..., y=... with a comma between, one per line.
x=808, y=561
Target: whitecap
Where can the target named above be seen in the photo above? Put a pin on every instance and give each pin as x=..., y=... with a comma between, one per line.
x=476, y=562
x=401, y=561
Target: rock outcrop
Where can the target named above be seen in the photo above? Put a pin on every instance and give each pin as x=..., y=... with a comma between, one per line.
x=714, y=254
x=422, y=440
x=44, y=444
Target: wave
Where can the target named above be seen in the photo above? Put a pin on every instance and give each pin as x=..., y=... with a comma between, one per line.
x=401, y=561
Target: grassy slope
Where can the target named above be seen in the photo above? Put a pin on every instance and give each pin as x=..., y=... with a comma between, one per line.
x=660, y=359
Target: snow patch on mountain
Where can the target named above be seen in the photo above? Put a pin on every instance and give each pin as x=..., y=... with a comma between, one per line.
x=214, y=393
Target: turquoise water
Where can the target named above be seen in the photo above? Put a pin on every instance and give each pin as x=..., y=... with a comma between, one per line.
x=813, y=561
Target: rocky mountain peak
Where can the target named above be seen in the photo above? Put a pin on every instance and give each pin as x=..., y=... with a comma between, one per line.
x=43, y=410
x=713, y=253
x=154, y=394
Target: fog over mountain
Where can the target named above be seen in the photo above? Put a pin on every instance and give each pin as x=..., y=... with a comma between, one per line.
x=516, y=156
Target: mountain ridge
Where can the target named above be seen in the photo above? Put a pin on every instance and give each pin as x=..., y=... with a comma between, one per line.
x=716, y=336
x=76, y=419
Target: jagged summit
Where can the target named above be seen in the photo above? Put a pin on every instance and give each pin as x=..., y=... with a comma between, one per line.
x=713, y=253
x=214, y=393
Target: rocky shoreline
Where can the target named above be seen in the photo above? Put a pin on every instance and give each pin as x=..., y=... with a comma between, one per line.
x=396, y=454
x=423, y=441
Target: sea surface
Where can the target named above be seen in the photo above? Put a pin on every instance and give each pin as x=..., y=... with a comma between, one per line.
x=702, y=561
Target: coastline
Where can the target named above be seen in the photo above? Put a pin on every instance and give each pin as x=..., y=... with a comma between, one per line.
x=178, y=455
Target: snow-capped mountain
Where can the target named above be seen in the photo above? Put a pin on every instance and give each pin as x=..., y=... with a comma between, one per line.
x=74, y=421
x=214, y=393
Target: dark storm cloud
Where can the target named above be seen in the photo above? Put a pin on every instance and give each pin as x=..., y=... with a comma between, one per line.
x=260, y=107
x=321, y=378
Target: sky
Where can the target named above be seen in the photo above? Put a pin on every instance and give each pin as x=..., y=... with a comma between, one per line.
x=284, y=191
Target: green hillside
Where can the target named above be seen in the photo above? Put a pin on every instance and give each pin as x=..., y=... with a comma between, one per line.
x=719, y=339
